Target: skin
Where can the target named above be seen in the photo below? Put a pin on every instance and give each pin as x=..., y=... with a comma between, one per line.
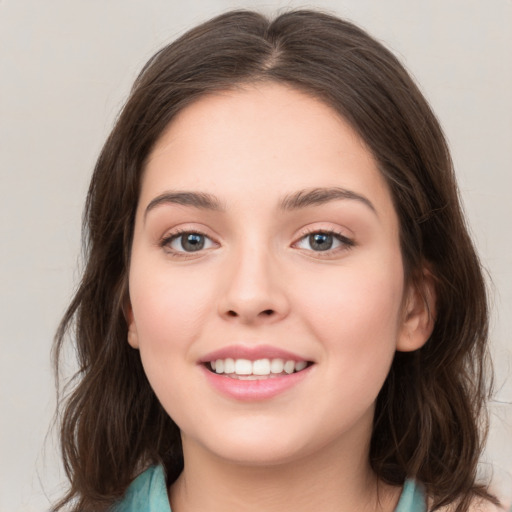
x=257, y=281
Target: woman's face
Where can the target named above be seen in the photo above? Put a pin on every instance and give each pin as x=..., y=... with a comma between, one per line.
x=266, y=242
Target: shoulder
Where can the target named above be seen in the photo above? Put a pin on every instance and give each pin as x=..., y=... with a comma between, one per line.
x=477, y=505
x=484, y=506
x=147, y=493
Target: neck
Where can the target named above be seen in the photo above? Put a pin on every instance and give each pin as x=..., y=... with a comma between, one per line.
x=334, y=479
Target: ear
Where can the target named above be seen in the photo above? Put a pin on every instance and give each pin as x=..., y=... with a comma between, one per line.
x=419, y=312
x=133, y=337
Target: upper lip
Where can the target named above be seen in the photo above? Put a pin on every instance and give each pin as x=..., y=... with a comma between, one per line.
x=251, y=352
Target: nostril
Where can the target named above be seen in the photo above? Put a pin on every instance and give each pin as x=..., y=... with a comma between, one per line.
x=265, y=312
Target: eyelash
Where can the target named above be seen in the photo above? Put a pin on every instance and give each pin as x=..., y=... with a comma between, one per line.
x=167, y=240
x=346, y=243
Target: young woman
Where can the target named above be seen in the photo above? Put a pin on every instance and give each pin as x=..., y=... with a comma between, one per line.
x=281, y=307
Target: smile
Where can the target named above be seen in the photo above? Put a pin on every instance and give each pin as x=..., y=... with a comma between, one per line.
x=245, y=369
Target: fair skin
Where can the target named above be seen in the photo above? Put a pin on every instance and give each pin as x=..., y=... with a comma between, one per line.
x=250, y=272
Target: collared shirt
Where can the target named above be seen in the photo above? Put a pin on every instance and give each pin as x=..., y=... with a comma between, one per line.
x=148, y=493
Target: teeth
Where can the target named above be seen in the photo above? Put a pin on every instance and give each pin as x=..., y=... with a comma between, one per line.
x=300, y=366
x=289, y=366
x=260, y=367
x=229, y=365
x=277, y=366
x=243, y=367
x=219, y=366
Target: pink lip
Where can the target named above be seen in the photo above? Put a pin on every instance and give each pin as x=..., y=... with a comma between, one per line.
x=251, y=352
x=254, y=390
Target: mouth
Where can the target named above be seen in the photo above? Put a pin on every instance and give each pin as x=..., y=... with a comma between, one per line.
x=259, y=369
x=255, y=373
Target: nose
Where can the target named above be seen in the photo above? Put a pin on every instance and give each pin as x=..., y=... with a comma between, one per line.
x=254, y=288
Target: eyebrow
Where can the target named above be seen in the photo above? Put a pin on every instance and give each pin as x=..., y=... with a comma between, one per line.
x=319, y=196
x=296, y=201
x=199, y=200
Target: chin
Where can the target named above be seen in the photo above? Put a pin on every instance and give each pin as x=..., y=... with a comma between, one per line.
x=254, y=445
x=256, y=455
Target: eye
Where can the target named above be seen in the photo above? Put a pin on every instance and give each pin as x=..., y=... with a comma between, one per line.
x=323, y=241
x=187, y=242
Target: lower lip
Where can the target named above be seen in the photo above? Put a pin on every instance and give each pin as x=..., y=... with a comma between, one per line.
x=261, y=389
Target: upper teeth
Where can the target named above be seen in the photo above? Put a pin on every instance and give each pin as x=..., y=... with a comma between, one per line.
x=258, y=367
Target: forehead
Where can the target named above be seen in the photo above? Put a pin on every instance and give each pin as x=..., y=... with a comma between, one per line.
x=255, y=142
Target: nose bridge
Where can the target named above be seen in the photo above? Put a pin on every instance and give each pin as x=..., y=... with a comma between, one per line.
x=253, y=287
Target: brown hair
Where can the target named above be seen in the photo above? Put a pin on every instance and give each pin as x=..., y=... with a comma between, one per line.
x=429, y=415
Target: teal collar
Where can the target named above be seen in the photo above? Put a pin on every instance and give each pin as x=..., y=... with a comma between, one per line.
x=148, y=493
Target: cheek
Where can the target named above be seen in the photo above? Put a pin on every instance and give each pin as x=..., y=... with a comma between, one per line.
x=356, y=313
x=357, y=324
x=169, y=314
x=371, y=295
x=167, y=307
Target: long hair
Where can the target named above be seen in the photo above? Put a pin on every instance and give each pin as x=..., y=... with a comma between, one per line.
x=430, y=416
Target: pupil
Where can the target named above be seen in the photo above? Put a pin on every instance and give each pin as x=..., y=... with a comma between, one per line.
x=192, y=242
x=321, y=241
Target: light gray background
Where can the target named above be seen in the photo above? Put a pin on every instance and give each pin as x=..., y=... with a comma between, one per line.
x=65, y=69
